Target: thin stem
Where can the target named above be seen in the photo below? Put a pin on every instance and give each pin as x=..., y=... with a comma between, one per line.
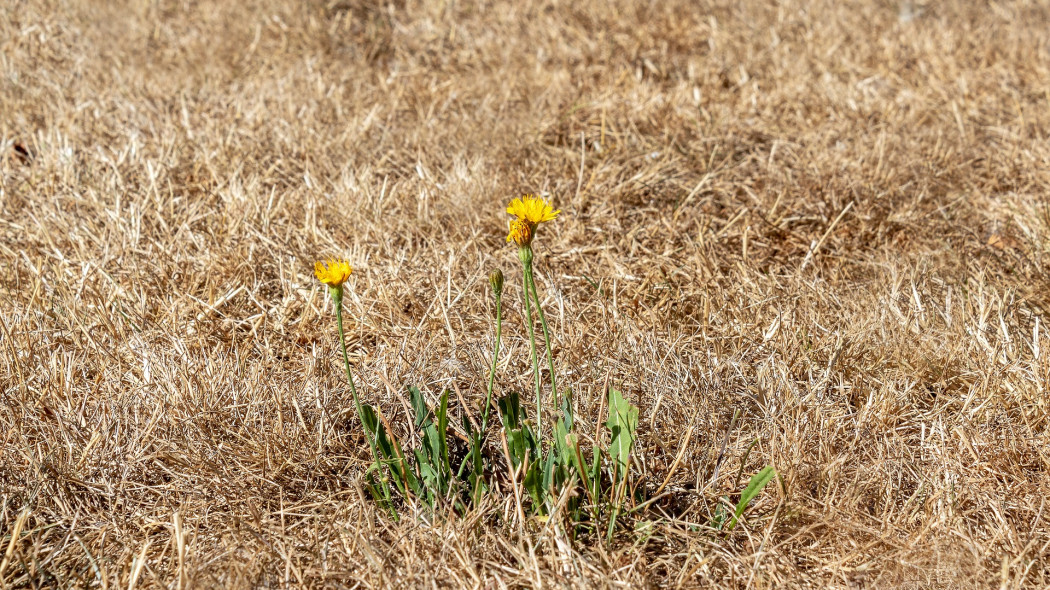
x=532, y=348
x=346, y=360
x=479, y=438
x=495, y=360
x=338, y=300
x=546, y=334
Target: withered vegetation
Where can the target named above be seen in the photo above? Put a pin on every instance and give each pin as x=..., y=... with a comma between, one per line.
x=830, y=218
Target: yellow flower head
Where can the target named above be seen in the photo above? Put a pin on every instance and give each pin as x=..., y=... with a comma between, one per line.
x=336, y=273
x=532, y=209
x=520, y=232
x=530, y=212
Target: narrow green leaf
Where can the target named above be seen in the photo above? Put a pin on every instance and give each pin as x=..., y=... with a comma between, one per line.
x=533, y=483
x=596, y=473
x=561, y=444
x=550, y=471
x=419, y=406
x=516, y=446
x=718, y=520
x=390, y=452
x=442, y=431
x=566, y=409
x=371, y=421
x=572, y=440
x=753, y=489
x=510, y=410
x=622, y=424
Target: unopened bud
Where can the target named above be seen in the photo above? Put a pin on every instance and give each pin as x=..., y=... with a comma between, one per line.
x=496, y=280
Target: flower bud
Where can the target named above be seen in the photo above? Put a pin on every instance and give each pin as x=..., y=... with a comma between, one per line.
x=496, y=280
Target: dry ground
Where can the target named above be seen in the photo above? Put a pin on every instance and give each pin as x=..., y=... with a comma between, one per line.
x=830, y=217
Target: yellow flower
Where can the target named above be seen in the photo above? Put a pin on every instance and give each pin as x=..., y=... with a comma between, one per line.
x=530, y=212
x=532, y=209
x=336, y=273
x=520, y=232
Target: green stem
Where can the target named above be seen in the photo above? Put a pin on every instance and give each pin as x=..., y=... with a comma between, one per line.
x=546, y=334
x=337, y=298
x=532, y=347
x=495, y=360
x=479, y=438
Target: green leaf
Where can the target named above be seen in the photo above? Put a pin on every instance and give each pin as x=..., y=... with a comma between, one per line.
x=562, y=428
x=549, y=472
x=596, y=473
x=476, y=478
x=523, y=446
x=390, y=452
x=622, y=423
x=561, y=443
x=442, y=429
x=572, y=440
x=534, y=485
x=718, y=520
x=510, y=410
x=753, y=489
x=517, y=447
x=433, y=458
x=419, y=406
x=384, y=444
x=521, y=442
x=373, y=489
x=371, y=421
x=566, y=409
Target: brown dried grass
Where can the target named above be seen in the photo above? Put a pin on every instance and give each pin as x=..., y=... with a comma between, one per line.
x=830, y=217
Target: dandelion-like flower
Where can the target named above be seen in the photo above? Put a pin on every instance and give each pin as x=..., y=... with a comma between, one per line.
x=530, y=212
x=532, y=209
x=520, y=232
x=333, y=273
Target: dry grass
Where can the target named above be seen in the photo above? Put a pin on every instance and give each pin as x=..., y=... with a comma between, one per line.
x=830, y=217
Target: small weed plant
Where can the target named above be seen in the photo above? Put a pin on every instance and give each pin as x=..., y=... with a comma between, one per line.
x=556, y=473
